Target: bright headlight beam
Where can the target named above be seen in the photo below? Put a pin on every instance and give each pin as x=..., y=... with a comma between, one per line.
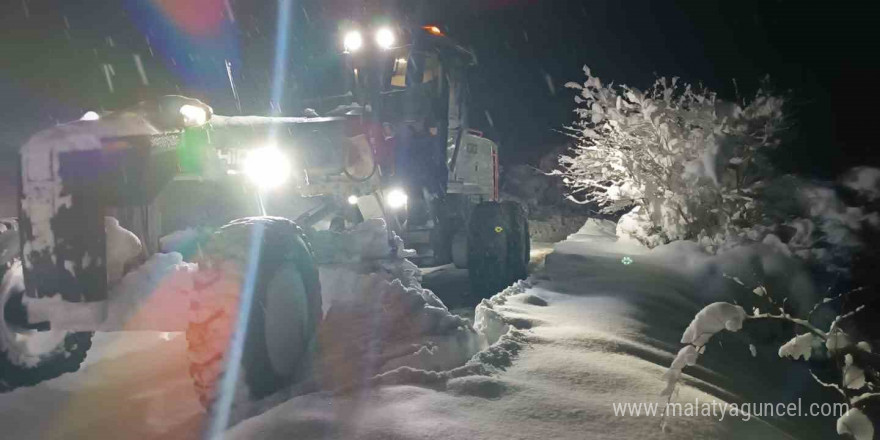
x=353, y=41
x=396, y=198
x=352, y=199
x=193, y=116
x=385, y=38
x=267, y=167
x=90, y=116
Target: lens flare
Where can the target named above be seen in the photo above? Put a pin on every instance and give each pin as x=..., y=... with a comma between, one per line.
x=267, y=167
x=193, y=116
x=396, y=198
x=353, y=41
x=385, y=38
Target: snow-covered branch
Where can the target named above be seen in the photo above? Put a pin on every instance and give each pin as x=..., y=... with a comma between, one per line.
x=857, y=367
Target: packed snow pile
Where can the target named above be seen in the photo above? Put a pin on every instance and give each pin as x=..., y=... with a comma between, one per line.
x=386, y=326
x=379, y=320
x=367, y=240
x=812, y=221
x=637, y=225
x=155, y=296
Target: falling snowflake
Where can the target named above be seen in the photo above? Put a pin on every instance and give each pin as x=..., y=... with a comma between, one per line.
x=626, y=260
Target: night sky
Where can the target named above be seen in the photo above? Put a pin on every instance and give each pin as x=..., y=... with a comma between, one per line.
x=54, y=56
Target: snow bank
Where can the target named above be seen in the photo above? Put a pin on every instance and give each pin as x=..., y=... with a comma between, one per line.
x=636, y=225
x=386, y=326
x=600, y=237
x=725, y=275
x=596, y=230
x=378, y=317
x=810, y=220
x=367, y=240
x=565, y=347
x=488, y=320
x=155, y=296
x=722, y=275
x=863, y=180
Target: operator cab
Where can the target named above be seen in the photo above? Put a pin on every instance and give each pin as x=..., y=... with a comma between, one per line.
x=414, y=97
x=415, y=92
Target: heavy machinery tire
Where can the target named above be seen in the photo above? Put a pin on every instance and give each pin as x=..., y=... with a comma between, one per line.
x=518, y=242
x=30, y=356
x=441, y=242
x=460, y=249
x=488, y=248
x=284, y=313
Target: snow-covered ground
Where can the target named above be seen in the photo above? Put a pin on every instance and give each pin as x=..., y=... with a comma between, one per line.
x=586, y=332
x=589, y=329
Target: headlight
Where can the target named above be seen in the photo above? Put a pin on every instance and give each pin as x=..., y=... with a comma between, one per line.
x=385, y=38
x=90, y=116
x=193, y=116
x=433, y=30
x=353, y=41
x=396, y=198
x=352, y=199
x=267, y=167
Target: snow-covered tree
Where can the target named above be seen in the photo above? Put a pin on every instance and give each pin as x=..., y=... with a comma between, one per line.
x=684, y=160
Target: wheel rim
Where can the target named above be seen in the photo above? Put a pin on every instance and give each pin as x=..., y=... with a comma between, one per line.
x=284, y=325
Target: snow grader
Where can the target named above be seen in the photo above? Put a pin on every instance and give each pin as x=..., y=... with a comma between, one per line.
x=103, y=196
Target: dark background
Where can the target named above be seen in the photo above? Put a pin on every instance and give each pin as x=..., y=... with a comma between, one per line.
x=53, y=53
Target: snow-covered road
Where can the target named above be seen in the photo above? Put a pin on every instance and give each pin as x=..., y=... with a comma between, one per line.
x=585, y=332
